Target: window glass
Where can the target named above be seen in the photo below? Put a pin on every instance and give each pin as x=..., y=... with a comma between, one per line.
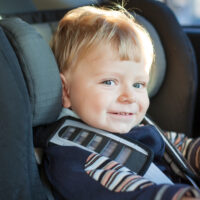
x=187, y=11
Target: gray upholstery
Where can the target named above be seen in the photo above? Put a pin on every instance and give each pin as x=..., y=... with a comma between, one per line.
x=19, y=177
x=39, y=68
x=159, y=65
x=46, y=29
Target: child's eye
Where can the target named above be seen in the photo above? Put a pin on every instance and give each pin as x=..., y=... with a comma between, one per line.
x=138, y=85
x=109, y=82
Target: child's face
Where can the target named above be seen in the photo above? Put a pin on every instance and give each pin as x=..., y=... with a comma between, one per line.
x=107, y=93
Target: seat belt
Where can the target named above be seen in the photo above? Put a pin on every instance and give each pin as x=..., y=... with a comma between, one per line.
x=130, y=153
x=71, y=131
x=174, y=158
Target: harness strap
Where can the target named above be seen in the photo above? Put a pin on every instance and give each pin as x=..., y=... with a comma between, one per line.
x=175, y=160
x=128, y=152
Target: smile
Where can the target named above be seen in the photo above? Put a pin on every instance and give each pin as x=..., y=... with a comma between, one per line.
x=121, y=113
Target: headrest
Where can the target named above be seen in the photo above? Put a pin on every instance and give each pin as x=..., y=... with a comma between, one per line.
x=158, y=68
x=46, y=30
x=39, y=69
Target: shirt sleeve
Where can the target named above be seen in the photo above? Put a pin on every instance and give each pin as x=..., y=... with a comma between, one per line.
x=190, y=148
x=77, y=174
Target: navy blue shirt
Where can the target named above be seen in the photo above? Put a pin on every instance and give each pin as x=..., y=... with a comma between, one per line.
x=77, y=174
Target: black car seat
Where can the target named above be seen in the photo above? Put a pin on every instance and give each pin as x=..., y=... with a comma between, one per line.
x=30, y=89
x=176, y=97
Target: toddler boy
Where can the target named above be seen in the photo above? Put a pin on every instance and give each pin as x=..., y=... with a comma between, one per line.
x=104, y=59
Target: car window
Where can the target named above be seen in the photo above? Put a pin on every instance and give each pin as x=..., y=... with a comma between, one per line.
x=187, y=11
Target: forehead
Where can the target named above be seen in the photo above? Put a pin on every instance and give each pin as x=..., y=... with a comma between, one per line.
x=105, y=61
x=103, y=52
x=107, y=55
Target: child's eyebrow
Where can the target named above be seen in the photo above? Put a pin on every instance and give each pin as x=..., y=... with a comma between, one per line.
x=143, y=77
x=105, y=73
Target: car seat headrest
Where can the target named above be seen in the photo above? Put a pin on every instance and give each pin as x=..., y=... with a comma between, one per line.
x=46, y=30
x=39, y=69
x=158, y=68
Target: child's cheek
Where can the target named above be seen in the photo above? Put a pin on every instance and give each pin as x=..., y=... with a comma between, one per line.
x=101, y=101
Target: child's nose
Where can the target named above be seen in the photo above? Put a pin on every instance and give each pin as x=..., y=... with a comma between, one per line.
x=126, y=98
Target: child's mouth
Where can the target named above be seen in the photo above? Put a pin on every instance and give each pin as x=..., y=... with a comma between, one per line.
x=122, y=113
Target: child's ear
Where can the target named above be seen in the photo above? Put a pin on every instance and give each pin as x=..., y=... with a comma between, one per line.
x=65, y=92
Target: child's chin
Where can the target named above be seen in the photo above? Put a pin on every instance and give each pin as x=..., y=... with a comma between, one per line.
x=120, y=130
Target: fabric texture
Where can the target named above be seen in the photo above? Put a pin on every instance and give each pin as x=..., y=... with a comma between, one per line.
x=19, y=177
x=46, y=30
x=113, y=175
x=71, y=170
x=190, y=148
x=39, y=69
x=158, y=68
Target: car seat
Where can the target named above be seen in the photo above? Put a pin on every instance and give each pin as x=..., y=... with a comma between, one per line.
x=176, y=97
x=30, y=88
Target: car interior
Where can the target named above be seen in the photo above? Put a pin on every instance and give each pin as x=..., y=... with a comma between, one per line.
x=30, y=84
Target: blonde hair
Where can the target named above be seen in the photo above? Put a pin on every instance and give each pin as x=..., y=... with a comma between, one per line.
x=83, y=29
